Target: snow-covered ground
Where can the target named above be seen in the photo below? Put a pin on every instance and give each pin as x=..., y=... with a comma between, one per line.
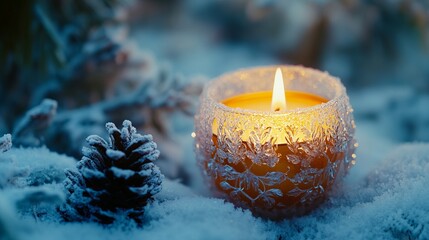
x=385, y=196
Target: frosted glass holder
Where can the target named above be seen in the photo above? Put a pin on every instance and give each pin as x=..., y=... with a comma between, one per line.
x=275, y=164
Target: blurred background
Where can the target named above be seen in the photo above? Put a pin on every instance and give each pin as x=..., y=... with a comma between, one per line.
x=68, y=67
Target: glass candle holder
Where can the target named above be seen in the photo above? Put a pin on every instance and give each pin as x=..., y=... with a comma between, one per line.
x=277, y=164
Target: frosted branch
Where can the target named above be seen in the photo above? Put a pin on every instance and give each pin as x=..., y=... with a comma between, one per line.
x=5, y=143
x=29, y=129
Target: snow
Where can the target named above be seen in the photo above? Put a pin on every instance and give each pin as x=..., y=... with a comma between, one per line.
x=202, y=218
x=20, y=167
x=384, y=197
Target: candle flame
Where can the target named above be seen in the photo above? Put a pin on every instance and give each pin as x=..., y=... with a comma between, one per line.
x=278, y=102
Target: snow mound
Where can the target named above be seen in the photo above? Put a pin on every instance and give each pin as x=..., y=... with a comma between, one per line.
x=202, y=218
x=172, y=190
x=32, y=167
x=409, y=162
x=389, y=202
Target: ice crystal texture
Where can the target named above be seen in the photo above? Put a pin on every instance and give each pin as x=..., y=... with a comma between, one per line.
x=276, y=164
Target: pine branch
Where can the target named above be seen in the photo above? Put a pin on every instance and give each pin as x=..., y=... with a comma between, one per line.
x=31, y=127
x=36, y=20
x=52, y=32
x=5, y=143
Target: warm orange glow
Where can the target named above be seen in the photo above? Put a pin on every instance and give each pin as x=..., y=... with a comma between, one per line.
x=278, y=102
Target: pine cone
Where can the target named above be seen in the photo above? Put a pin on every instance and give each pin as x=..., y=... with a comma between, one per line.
x=113, y=179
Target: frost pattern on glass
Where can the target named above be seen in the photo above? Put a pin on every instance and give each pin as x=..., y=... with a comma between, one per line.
x=276, y=165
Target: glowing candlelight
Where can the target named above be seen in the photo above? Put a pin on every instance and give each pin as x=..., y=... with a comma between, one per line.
x=278, y=101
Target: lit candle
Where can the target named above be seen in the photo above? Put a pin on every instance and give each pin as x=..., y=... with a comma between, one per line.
x=274, y=152
x=277, y=100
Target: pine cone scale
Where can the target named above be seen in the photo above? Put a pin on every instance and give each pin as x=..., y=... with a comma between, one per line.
x=95, y=156
x=115, y=137
x=139, y=160
x=134, y=144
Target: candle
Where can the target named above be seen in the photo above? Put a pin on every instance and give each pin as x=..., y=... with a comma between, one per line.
x=262, y=101
x=275, y=152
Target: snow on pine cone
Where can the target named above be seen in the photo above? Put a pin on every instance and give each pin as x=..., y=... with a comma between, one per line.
x=115, y=179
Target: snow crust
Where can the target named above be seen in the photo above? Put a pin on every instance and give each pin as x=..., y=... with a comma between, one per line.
x=385, y=196
x=20, y=167
x=390, y=202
